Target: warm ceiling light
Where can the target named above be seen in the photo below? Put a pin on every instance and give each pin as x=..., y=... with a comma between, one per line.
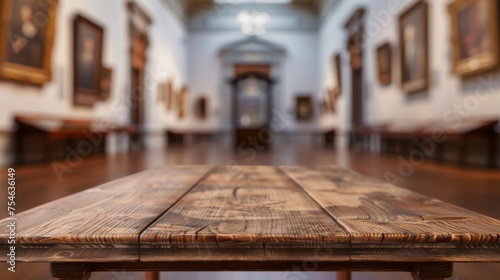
x=253, y=1
x=253, y=23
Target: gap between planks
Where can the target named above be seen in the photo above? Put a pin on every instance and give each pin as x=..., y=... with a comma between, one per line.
x=311, y=196
x=202, y=178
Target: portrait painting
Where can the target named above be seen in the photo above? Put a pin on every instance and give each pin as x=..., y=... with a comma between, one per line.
x=105, y=85
x=474, y=36
x=413, y=36
x=26, y=39
x=303, y=108
x=384, y=64
x=87, y=54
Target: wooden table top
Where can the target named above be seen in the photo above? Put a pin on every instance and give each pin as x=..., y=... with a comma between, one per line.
x=251, y=213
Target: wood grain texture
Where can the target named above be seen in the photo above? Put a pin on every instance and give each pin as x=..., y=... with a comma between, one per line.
x=250, y=213
x=102, y=223
x=388, y=223
x=294, y=269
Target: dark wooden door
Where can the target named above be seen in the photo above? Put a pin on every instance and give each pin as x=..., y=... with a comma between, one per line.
x=357, y=98
x=137, y=107
x=252, y=115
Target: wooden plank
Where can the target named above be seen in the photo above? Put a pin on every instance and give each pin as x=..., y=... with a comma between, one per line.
x=101, y=223
x=250, y=213
x=293, y=269
x=390, y=223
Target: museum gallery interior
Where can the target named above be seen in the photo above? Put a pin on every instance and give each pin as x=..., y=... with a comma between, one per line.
x=403, y=92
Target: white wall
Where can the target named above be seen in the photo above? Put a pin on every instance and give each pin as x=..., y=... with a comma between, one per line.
x=166, y=57
x=300, y=73
x=391, y=104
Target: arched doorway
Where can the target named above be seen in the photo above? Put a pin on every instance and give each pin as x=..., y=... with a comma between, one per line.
x=248, y=63
x=252, y=104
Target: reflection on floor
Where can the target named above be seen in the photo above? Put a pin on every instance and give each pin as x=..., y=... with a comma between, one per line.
x=476, y=189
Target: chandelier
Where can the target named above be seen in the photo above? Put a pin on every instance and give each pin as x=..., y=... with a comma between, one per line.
x=253, y=23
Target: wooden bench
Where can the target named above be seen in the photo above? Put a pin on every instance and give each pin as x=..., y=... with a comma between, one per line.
x=400, y=138
x=361, y=136
x=52, y=134
x=202, y=218
x=462, y=133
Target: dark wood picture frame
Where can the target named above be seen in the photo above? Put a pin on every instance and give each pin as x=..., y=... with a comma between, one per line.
x=415, y=78
x=384, y=64
x=201, y=107
x=106, y=82
x=17, y=50
x=304, y=107
x=464, y=63
x=89, y=94
x=337, y=65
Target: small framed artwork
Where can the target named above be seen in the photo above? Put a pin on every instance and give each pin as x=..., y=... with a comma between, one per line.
x=87, y=61
x=106, y=79
x=303, y=108
x=337, y=65
x=414, y=43
x=384, y=64
x=25, y=41
x=201, y=108
x=169, y=94
x=182, y=102
x=474, y=39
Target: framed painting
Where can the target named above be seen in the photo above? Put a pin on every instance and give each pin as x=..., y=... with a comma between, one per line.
x=169, y=94
x=303, y=107
x=337, y=65
x=201, y=108
x=87, y=61
x=474, y=38
x=182, y=102
x=384, y=64
x=414, y=43
x=26, y=41
x=106, y=81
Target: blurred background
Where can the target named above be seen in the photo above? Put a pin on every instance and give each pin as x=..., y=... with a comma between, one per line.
x=403, y=90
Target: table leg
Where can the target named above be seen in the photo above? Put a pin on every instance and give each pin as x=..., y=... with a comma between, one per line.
x=69, y=271
x=432, y=271
x=344, y=275
x=152, y=275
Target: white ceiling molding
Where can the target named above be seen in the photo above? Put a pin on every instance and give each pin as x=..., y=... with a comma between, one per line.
x=252, y=49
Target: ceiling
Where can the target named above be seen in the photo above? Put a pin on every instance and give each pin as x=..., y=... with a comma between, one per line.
x=208, y=15
x=195, y=6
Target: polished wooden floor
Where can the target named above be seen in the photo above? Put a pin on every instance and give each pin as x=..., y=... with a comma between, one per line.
x=475, y=189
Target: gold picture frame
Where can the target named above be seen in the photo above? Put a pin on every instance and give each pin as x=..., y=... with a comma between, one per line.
x=25, y=43
x=303, y=107
x=474, y=36
x=182, y=102
x=414, y=44
x=384, y=64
